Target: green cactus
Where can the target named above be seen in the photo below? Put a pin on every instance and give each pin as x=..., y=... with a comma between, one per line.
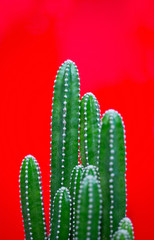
x=89, y=210
x=32, y=200
x=126, y=224
x=89, y=130
x=65, y=126
x=60, y=224
x=91, y=170
x=87, y=201
x=121, y=235
x=112, y=172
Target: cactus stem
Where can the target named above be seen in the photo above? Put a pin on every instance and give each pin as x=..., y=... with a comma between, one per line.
x=26, y=198
x=112, y=171
x=90, y=130
x=61, y=223
x=121, y=235
x=65, y=126
x=126, y=224
x=75, y=182
x=89, y=209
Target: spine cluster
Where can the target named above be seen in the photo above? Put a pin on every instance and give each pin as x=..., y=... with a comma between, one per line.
x=88, y=200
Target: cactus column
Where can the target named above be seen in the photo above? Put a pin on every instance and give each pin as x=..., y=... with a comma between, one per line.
x=126, y=224
x=65, y=126
x=32, y=200
x=75, y=183
x=60, y=225
x=89, y=130
x=89, y=210
x=112, y=172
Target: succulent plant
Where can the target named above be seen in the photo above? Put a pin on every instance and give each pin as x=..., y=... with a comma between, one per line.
x=61, y=211
x=91, y=170
x=88, y=201
x=126, y=224
x=32, y=199
x=121, y=235
x=64, y=126
x=89, y=209
x=112, y=168
x=75, y=183
x=89, y=130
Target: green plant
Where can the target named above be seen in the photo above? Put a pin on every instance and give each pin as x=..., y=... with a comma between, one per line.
x=87, y=201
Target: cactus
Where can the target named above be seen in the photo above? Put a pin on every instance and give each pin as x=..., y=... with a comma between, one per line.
x=60, y=224
x=89, y=209
x=65, y=126
x=91, y=170
x=89, y=130
x=87, y=201
x=126, y=224
x=75, y=182
x=112, y=172
x=121, y=235
x=31, y=200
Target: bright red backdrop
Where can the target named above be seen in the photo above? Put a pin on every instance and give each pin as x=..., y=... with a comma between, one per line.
x=112, y=43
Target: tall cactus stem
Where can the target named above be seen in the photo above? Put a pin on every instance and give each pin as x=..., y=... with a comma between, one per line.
x=90, y=130
x=65, y=126
x=126, y=224
x=32, y=200
x=61, y=215
x=89, y=210
x=112, y=168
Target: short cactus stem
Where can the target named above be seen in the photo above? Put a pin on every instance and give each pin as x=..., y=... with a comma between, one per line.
x=75, y=182
x=64, y=126
x=112, y=172
x=61, y=211
x=89, y=210
x=89, y=130
x=32, y=200
x=121, y=235
x=91, y=170
x=126, y=224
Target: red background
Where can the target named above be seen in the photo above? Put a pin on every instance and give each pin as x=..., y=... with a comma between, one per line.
x=112, y=43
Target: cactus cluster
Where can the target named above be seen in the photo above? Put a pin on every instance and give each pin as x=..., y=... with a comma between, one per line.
x=88, y=199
